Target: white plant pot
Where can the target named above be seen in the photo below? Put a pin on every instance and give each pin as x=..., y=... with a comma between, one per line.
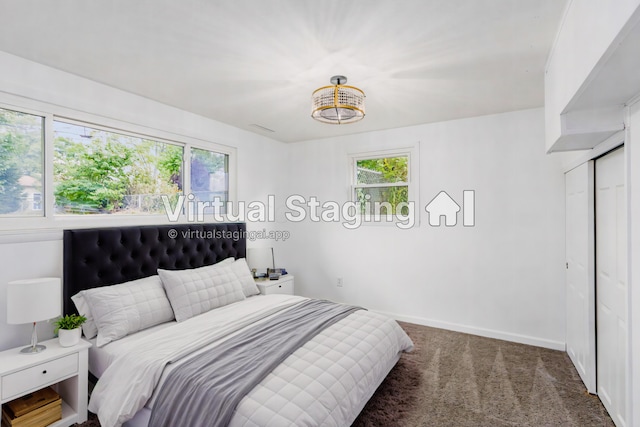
x=69, y=337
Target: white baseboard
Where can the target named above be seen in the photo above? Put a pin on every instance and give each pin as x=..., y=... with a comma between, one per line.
x=489, y=333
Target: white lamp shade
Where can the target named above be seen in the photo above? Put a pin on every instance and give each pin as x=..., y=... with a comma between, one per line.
x=260, y=258
x=33, y=300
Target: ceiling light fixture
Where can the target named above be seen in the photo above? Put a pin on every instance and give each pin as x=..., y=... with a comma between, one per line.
x=337, y=104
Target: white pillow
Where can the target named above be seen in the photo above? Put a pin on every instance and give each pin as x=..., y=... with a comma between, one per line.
x=241, y=269
x=199, y=290
x=224, y=262
x=89, y=328
x=120, y=310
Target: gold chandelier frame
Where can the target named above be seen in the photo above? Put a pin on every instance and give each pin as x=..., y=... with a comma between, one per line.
x=338, y=103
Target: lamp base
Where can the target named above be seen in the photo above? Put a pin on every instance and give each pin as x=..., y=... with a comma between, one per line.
x=33, y=349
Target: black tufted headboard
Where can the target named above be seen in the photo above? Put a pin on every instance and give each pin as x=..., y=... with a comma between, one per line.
x=107, y=256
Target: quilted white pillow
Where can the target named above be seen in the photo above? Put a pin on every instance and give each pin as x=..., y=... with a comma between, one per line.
x=199, y=290
x=120, y=310
x=224, y=262
x=241, y=269
x=89, y=328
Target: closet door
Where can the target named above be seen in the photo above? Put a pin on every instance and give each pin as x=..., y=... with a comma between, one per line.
x=580, y=272
x=611, y=284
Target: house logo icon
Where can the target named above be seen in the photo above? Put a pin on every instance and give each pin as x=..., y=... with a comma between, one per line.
x=443, y=205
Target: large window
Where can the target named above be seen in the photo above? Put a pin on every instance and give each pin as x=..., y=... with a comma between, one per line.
x=381, y=183
x=21, y=163
x=55, y=169
x=100, y=171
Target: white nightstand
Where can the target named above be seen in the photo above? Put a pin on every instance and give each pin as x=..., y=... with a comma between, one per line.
x=284, y=285
x=63, y=368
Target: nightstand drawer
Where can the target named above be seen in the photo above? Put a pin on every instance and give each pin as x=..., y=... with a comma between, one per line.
x=280, y=288
x=38, y=376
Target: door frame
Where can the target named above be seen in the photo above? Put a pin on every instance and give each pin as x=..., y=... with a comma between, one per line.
x=619, y=139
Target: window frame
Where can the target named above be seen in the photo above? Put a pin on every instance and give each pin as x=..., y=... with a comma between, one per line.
x=119, y=132
x=228, y=166
x=32, y=226
x=412, y=152
x=45, y=183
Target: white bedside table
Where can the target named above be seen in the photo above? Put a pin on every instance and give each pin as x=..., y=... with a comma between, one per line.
x=284, y=285
x=63, y=368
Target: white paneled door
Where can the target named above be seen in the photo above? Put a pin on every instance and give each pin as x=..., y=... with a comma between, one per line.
x=580, y=273
x=611, y=284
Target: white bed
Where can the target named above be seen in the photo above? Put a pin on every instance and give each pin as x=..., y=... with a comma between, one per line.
x=351, y=358
x=132, y=282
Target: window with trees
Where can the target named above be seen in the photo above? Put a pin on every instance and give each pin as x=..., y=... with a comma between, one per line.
x=82, y=168
x=101, y=171
x=382, y=182
x=21, y=163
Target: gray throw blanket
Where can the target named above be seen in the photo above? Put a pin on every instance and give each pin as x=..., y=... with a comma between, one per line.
x=205, y=390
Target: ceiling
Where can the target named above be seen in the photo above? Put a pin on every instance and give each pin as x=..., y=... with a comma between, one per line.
x=256, y=62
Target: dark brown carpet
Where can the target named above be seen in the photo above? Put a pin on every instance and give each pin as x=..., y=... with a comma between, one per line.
x=454, y=379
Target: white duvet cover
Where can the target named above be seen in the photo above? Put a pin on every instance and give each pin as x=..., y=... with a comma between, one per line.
x=326, y=382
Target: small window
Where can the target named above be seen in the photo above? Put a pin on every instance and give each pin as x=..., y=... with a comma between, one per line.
x=381, y=184
x=210, y=176
x=100, y=171
x=21, y=163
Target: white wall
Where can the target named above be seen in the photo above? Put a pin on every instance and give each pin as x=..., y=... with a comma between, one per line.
x=502, y=278
x=26, y=260
x=587, y=31
x=592, y=67
x=632, y=151
x=23, y=82
x=597, y=24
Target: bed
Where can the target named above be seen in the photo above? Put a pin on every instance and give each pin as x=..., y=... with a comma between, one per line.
x=142, y=348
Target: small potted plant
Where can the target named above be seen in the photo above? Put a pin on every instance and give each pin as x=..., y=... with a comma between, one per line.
x=68, y=329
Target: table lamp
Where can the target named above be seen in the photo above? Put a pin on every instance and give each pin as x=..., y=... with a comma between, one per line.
x=260, y=260
x=31, y=301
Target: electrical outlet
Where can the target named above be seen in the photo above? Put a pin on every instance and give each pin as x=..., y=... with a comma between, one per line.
x=339, y=282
